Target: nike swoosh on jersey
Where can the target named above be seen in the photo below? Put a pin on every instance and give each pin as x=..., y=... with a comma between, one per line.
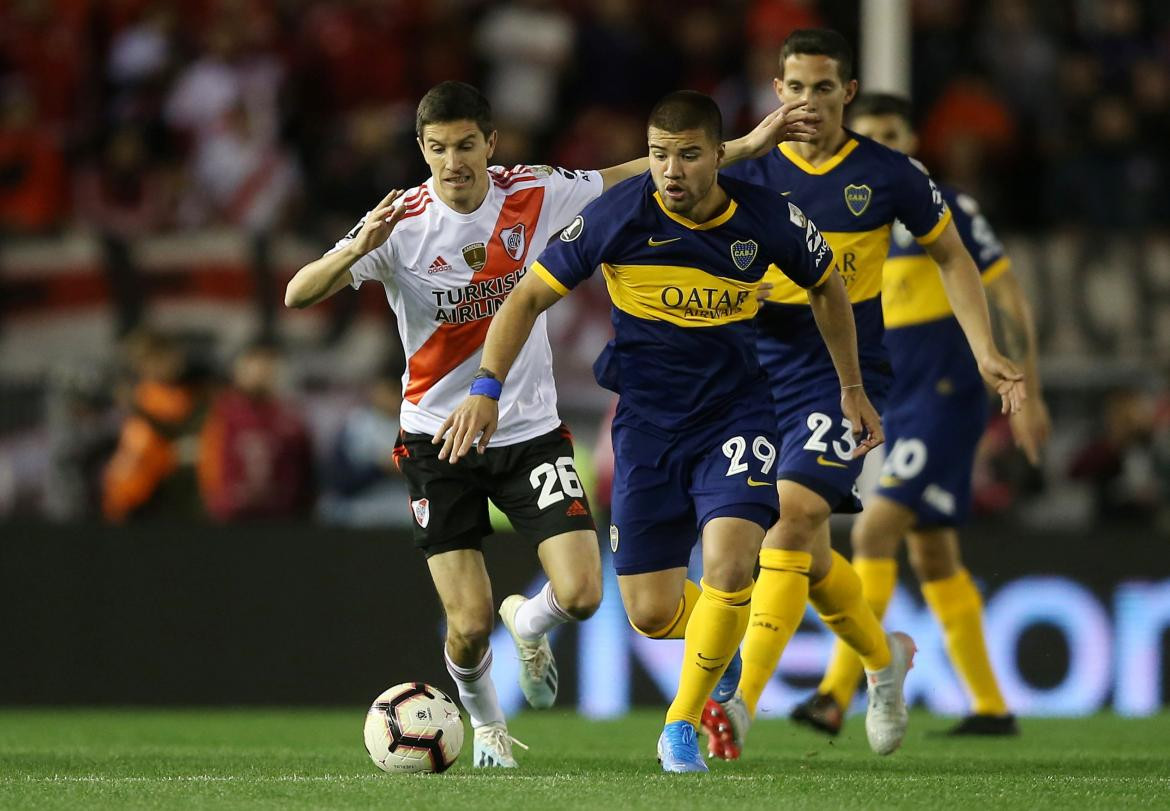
x=785, y=193
x=654, y=243
x=753, y=483
x=821, y=460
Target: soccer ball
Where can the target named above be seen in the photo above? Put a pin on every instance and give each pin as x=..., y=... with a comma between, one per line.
x=413, y=727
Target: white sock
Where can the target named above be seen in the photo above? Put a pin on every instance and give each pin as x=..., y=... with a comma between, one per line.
x=476, y=690
x=540, y=614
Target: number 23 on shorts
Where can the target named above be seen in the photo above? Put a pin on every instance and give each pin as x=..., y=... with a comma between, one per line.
x=762, y=449
x=820, y=424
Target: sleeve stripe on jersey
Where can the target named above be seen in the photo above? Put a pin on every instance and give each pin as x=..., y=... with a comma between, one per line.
x=546, y=275
x=936, y=232
x=824, y=277
x=512, y=181
x=996, y=269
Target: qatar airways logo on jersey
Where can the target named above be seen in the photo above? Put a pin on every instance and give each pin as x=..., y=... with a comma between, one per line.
x=704, y=302
x=475, y=301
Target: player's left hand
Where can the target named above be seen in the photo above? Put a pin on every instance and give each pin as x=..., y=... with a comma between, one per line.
x=1030, y=428
x=476, y=416
x=789, y=122
x=1006, y=379
x=867, y=425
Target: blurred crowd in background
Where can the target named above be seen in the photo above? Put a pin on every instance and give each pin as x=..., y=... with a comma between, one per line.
x=129, y=119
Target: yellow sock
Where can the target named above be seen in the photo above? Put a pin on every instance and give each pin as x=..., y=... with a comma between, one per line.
x=777, y=608
x=712, y=637
x=956, y=604
x=837, y=598
x=878, y=578
x=677, y=627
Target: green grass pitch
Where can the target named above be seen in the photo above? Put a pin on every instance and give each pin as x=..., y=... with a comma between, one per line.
x=76, y=758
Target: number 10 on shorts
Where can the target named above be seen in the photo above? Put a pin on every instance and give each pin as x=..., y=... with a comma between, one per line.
x=735, y=448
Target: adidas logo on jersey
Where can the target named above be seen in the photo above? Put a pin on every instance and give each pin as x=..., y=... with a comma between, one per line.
x=576, y=509
x=439, y=265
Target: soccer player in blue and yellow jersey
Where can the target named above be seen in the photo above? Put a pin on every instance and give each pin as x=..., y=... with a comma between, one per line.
x=854, y=189
x=938, y=408
x=683, y=253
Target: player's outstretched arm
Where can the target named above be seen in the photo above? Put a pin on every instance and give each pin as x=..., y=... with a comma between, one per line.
x=1016, y=333
x=964, y=289
x=320, y=279
x=834, y=317
x=789, y=122
x=478, y=414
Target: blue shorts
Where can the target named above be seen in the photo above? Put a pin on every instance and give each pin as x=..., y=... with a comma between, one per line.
x=938, y=415
x=667, y=486
x=816, y=445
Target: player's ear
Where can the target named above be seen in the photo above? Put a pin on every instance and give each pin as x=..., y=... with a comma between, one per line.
x=778, y=85
x=850, y=90
x=491, y=143
x=913, y=144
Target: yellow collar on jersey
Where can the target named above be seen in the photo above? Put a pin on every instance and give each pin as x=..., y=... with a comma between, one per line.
x=789, y=152
x=727, y=214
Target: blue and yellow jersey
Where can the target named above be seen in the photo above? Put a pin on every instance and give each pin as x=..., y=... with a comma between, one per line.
x=683, y=292
x=912, y=290
x=854, y=198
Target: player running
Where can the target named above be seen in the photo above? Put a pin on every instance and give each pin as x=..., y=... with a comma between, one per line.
x=937, y=414
x=683, y=253
x=854, y=189
x=448, y=252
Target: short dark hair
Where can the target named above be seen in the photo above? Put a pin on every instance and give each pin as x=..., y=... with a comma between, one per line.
x=454, y=101
x=820, y=42
x=687, y=110
x=882, y=104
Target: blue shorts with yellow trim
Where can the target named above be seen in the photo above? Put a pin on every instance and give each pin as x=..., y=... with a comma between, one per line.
x=937, y=415
x=816, y=446
x=668, y=485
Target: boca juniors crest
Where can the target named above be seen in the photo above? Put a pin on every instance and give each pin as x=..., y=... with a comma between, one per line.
x=743, y=253
x=857, y=198
x=513, y=239
x=475, y=255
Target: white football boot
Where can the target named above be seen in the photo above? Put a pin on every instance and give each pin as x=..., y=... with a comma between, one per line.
x=538, y=668
x=886, y=717
x=492, y=747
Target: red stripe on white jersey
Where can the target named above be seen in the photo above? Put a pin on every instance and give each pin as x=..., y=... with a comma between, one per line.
x=452, y=344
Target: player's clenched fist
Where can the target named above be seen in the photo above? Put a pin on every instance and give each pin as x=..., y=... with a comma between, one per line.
x=476, y=416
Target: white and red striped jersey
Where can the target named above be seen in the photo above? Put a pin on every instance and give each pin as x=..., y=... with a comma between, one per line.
x=446, y=274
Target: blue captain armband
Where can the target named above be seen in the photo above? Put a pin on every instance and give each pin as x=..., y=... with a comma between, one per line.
x=485, y=384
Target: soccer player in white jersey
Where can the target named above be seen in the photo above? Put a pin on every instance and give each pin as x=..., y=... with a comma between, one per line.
x=448, y=252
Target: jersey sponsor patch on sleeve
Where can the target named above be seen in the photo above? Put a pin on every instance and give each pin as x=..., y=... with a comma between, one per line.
x=573, y=229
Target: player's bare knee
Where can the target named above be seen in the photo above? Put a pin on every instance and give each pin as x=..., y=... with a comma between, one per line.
x=868, y=541
x=470, y=629
x=797, y=527
x=651, y=616
x=580, y=598
x=931, y=558
x=728, y=574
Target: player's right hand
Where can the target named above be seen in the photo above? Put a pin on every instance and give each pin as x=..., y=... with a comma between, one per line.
x=788, y=122
x=867, y=425
x=1006, y=379
x=1030, y=428
x=378, y=224
x=475, y=416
